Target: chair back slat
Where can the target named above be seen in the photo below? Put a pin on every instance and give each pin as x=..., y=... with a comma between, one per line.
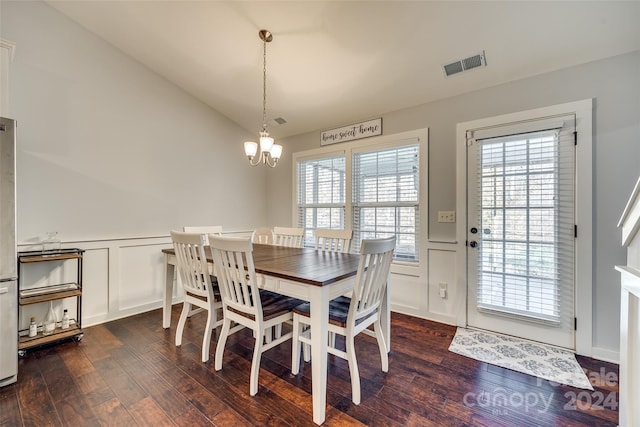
x=262, y=235
x=203, y=229
x=233, y=262
x=333, y=240
x=372, y=277
x=191, y=262
x=288, y=236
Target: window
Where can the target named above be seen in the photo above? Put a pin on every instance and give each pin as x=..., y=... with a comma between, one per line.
x=375, y=192
x=386, y=198
x=321, y=195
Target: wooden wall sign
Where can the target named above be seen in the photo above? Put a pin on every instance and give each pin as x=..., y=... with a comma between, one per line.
x=352, y=132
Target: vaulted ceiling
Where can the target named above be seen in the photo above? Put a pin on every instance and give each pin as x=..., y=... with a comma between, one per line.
x=332, y=63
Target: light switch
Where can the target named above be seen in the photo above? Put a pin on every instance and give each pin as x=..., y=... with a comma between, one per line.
x=446, y=216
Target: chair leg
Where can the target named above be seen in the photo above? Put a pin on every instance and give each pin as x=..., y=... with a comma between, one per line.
x=353, y=370
x=209, y=327
x=306, y=350
x=295, y=346
x=255, y=364
x=222, y=341
x=382, y=345
x=186, y=308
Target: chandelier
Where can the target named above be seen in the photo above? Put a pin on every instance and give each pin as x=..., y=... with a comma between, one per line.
x=269, y=152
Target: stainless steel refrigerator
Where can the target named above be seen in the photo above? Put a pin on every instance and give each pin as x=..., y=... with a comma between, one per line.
x=8, y=267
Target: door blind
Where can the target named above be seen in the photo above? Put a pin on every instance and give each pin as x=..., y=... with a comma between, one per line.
x=527, y=222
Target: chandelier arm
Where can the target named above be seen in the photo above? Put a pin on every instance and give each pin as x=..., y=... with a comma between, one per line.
x=267, y=161
x=258, y=158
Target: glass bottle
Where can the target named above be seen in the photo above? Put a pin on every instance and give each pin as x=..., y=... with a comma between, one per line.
x=65, y=320
x=51, y=242
x=33, y=328
x=49, y=324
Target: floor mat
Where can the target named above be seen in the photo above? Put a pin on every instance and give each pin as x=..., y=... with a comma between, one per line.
x=529, y=357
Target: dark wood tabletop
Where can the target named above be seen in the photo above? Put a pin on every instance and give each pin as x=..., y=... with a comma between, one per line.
x=305, y=265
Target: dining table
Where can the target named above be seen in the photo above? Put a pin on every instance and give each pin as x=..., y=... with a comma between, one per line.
x=308, y=274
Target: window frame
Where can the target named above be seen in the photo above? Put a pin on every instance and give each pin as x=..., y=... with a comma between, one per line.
x=421, y=136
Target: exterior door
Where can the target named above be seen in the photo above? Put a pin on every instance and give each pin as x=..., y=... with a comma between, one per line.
x=521, y=230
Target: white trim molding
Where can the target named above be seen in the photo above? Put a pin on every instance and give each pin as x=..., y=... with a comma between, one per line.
x=630, y=312
x=10, y=46
x=7, y=50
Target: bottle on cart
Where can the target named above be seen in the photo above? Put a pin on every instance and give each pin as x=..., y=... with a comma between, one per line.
x=65, y=320
x=51, y=242
x=33, y=328
x=49, y=324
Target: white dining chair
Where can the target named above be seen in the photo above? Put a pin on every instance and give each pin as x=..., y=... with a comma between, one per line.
x=245, y=304
x=350, y=316
x=333, y=240
x=288, y=236
x=200, y=287
x=262, y=235
x=204, y=230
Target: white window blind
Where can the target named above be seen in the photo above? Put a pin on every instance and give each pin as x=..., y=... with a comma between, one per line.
x=526, y=207
x=321, y=195
x=386, y=197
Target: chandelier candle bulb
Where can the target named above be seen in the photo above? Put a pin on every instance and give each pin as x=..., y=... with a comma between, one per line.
x=250, y=149
x=276, y=151
x=266, y=143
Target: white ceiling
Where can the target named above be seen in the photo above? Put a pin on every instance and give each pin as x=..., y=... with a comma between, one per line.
x=332, y=63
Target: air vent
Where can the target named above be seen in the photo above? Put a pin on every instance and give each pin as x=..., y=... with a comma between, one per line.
x=277, y=121
x=465, y=64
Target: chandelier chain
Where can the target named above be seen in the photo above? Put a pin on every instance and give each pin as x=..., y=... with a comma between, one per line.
x=264, y=86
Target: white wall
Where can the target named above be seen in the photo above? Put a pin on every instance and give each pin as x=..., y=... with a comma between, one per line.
x=615, y=87
x=107, y=148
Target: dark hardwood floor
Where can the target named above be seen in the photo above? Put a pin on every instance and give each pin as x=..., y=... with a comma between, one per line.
x=129, y=372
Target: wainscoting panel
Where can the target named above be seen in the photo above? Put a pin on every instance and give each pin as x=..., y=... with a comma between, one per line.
x=408, y=294
x=141, y=276
x=442, y=272
x=95, y=291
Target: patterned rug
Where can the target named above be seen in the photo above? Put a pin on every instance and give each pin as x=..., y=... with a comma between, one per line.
x=531, y=358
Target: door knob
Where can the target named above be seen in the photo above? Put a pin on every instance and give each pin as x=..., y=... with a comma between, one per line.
x=473, y=243
x=474, y=230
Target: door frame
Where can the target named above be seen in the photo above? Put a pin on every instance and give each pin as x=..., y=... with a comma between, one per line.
x=584, y=209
